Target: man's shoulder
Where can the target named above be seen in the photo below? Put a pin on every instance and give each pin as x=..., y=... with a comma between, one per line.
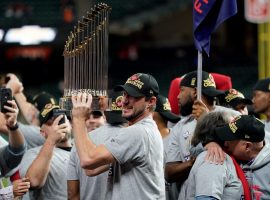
x=102, y=133
x=225, y=109
x=201, y=157
x=202, y=163
x=28, y=127
x=185, y=122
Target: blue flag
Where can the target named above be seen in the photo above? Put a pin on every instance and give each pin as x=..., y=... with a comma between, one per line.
x=207, y=16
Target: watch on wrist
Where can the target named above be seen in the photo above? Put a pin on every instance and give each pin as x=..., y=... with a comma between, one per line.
x=13, y=128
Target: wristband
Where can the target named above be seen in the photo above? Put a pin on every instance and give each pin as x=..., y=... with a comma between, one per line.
x=14, y=128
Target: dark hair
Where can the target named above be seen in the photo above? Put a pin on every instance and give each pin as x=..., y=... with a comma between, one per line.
x=209, y=99
x=204, y=131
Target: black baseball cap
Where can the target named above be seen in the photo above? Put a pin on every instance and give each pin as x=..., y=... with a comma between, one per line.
x=242, y=127
x=43, y=98
x=163, y=107
x=140, y=85
x=114, y=115
x=233, y=97
x=97, y=113
x=263, y=85
x=47, y=112
x=208, y=83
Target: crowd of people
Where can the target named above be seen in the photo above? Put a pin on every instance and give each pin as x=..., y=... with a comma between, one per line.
x=137, y=149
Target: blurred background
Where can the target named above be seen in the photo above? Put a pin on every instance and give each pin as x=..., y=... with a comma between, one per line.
x=152, y=36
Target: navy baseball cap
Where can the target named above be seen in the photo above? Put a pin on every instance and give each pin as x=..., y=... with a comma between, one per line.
x=43, y=98
x=233, y=97
x=208, y=83
x=163, y=107
x=97, y=113
x=263, y=85
x=47, y=112
x=140, y=85
x=242, y=127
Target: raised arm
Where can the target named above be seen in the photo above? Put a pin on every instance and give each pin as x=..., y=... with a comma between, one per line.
x=26, y=108
x=15, y=139
x=12, y=154
x=91, y=156
x=40, y=167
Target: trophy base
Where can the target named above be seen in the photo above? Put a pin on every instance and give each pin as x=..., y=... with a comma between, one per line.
x=98, y=103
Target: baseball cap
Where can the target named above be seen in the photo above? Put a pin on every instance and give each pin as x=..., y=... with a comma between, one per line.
x=114, y=115
x=163, y=107
x=233, y=97
x=263, y=85
x=245, y=127
x=208, y=83
x=139, y=85
x=97, y=113
x=47, y=112
x=43, y=98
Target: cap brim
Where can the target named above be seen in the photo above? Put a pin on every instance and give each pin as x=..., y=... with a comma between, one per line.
x=97, y=112
x=247, y=101
x=114, y=117
x=236, y=101
x=212, y=92
x=170, y=116
x=130, y=90
x=224, y=133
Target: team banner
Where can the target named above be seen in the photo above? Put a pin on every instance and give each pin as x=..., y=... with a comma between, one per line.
x=207, y=16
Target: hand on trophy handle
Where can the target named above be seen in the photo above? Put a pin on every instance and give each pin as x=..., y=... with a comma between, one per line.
x=81, y=105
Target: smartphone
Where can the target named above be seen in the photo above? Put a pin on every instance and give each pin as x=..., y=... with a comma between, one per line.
x=5, y=95
x=57, y=112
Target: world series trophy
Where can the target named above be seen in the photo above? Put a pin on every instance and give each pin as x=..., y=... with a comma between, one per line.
x=86, y=59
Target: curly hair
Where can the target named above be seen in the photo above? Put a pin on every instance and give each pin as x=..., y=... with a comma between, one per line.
x=204, y=131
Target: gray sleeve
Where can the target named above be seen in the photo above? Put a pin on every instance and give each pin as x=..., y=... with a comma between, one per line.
x=27, y=160
x=72, y=173
x=128, y=144
x=195, y=151
x=32, y=135
x=173, y=151
x=210, y=180
x=10, y=158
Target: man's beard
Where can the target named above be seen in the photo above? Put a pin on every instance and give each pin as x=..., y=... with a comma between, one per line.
x=186, y=109
x=135, y=115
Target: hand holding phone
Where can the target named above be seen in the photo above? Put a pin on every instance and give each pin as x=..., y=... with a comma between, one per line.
x=5, y=95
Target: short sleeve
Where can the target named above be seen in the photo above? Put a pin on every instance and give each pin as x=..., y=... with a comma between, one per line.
x=173, y=150
x=27, y=160
x=72, y=172
x=128, y=144
x=32, y=135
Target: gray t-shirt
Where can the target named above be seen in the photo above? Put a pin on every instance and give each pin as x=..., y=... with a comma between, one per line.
x=171, y=189
x=209, y=179
x=180, y=139
x=56, y=184
x=91, y=187
x=138, y=171
x=32, y=135
x=181, y=135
